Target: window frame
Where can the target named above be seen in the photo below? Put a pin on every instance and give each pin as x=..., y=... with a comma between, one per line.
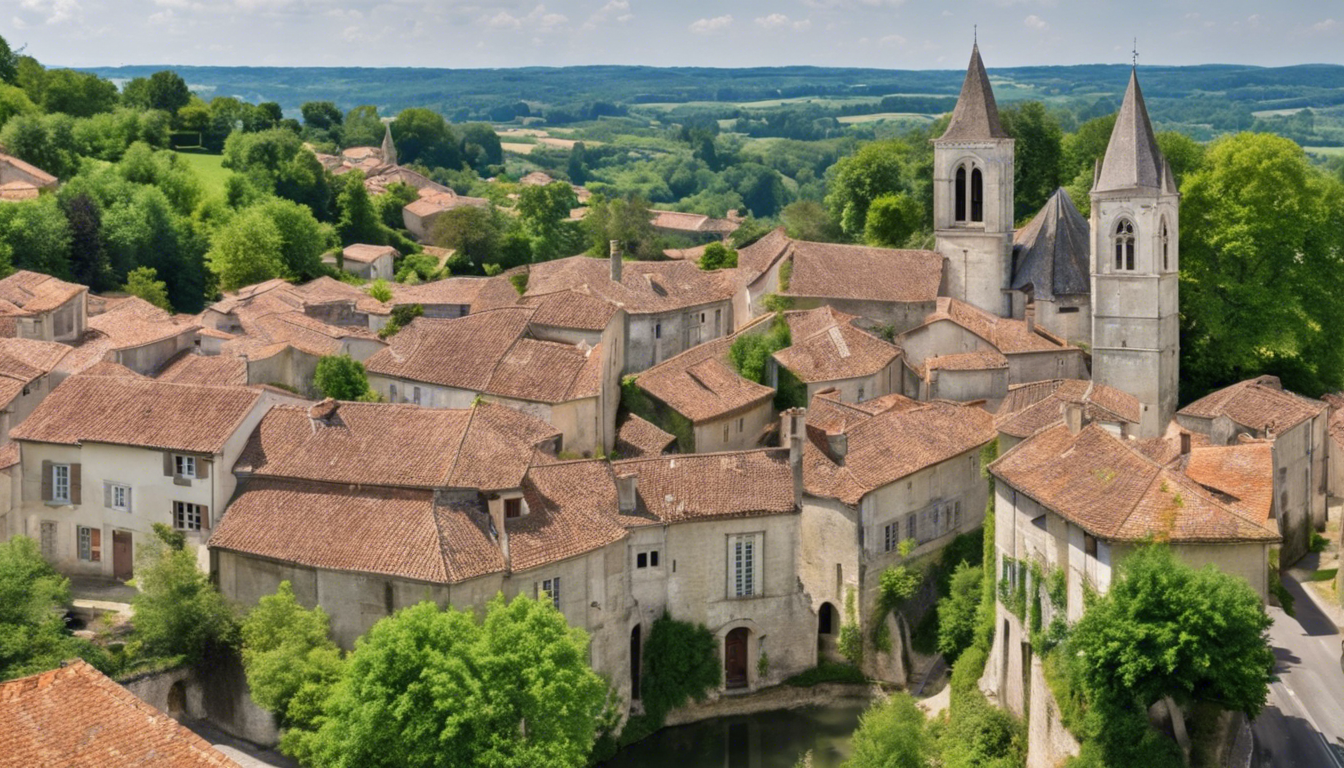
x=56, y=480
x=960, y=184
x=891, y=536
x=513, y=508
x=84, y=543
x=744, y=565
x=977, y=196
x=125, y=492
x=1124, y=235
x=182, y=516
x=181, y=463
x=550, y=588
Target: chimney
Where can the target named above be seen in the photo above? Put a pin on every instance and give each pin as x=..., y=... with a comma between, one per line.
x=616, y=261
x=1030, y=316
x=793, y=431
x=1073, y=417
x=1185, y=443
x=495, y=503
x=837, y=445
x=792, y=421
x=323, y=414
x=627, y=493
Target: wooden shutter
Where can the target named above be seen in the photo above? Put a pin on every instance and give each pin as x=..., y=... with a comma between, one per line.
x=74, y=484
x=205, y=518
x=107, y=494
x=128, y=499
x=203, y=469
x=46, y=481
x=167, y=464
x=96, y=544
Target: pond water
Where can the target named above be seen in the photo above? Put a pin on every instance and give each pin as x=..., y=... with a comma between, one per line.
x=764, y=740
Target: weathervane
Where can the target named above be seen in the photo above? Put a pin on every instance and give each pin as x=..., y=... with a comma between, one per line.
x=975, y=34
x=1136, y=52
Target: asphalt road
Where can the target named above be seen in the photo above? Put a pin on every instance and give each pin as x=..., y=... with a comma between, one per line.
x=1302, y=726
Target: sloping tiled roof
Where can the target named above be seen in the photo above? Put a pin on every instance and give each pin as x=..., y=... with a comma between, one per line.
x=829, y=414
x=43, y=178
x=139, y=412
x=636, y=438
x=366, y=254
x=1021, y=416
x=77, y=717
x=1243, y=473
x=1113, y=491
x=23, y=361
x=976, y=117
x=389, y=531
x=1259, y=403
x=570, y=309
x=758, y=257
x=134, y=322
x=832, y=349
x=1008, y=336
x=572, y=509
x=188, y=367
x=861, y=273
x=35, y=292
x=701, y=384
x=979, y=360
x=1052, y=255
x=691, y=222
x=646, y=287
x=1132, y=157
x=450, y=290
x=699, y=486
x=486, y=446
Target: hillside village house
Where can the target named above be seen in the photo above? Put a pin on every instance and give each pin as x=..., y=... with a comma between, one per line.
x=1030, y=408
x=105, y=458
x=636, y=438
x=495, y=355
x=1077, y=498
x=133, y=333
x=26, y=376
x=419, y=215
x=828, y=352
x=23, y=181
x=695, y=226
x=371, y=262
x=37, y=306
x=1296, y=426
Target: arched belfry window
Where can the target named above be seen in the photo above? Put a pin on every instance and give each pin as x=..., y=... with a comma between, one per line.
x=960, y=193
x=1124, y=245
x=977, y=196
x=1166, y=246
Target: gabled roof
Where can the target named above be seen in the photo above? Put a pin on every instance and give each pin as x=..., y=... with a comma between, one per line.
x=699, y=486
x=1029, y=408
x=138, y=412
x=42, y=178
x=35, y=292
x=367, y=254
x=701, y=384
x=1115, y=492
x=1007, y=335
x=1052, y=254
x=858, y=272
x=1260, y=403
x=1132, y=157
x=189, y=367
x=691, y=222
x=449, y=290
x=77, y=717
x=23, y=361
x=646, y=287
x=830, y=414
x=756, y=258
x=571, y=509
x=636, y=438
x=1241, y=475
x=826, y=347
x=976, y=117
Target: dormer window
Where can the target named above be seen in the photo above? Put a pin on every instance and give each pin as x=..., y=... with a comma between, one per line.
x=1124, y=246
x=513, y=508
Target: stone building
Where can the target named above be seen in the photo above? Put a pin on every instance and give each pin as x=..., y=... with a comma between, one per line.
x=1029, y=408
x=371, y=262
x=1052, y=270
x=27, y=374
x=37, y=306
x=23, y=181
x=828, y=352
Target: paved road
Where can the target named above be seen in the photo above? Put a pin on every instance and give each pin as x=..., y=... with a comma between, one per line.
x=1303, y=724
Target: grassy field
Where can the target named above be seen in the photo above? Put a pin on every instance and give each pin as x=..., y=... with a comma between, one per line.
x=208, y=170
x=851, y=119
x=1325, y=151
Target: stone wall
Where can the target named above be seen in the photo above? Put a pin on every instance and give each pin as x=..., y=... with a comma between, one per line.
x=1049, y=743
x=216, y=692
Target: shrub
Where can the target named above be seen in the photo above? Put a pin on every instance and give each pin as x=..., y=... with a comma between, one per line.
x=850, y=642
x=379, y=290
x=718, y=256
x=519, y=282
x=827, y=672
x=178, y=612
x=681, y=663
x=957, y=611
x=341, y=377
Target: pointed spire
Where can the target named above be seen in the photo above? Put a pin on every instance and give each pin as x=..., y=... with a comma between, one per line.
x=389, y=149
x=976, y=117
x=1132, y=157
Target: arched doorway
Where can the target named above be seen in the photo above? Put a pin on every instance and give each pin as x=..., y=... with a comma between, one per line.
x=735, y=658
x=828, y=619
x=177, y=700
x=635, y=662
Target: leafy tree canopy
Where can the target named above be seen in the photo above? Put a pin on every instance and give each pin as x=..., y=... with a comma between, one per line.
x=892, y=734
x=144, y=283
x=341, y=377
x=178, y=612
x=32, y=632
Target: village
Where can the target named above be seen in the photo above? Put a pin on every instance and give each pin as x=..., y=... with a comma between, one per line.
x=752, y=448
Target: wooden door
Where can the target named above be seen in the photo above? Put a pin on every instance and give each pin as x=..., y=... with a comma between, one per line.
x=121, y=555
x=735, y=658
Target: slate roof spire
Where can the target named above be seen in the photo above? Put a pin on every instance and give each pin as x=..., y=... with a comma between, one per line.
x=1053, y=252
x=389, y=149
x=976, y=117
x=1132, y=157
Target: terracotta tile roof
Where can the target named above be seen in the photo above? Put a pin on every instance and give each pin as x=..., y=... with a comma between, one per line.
x=536, y=179
x=35, y=292
x=829, y=414
x=9, y=455
x=1113, y=491
x=979, y=360
x=77, y=717
x=546, y=372
x=42, y=177
x=300, y=331
x=486, y=446
x=17, y=191
x=572, y=509
x=646, y=287
x=699, y=486
x=857, y=272
x=1166, y=449
x=755, y=259
x=139, y=412
x=367, y=254
x=1241, y=475
x=636, y=438
x=388, y=531
x=114, y=370
x=1336, y=423
x=570, y=309
x=1020, y=416
x=1007, y=335
x=686, y=254
x=450, y=290
x=892, y=445
x=134, y=322
x=23, y=361
x=1259, y=403
x=826, y=347
x=188, y=367
x=691, y=222
x=701, y=384
x=440, y=201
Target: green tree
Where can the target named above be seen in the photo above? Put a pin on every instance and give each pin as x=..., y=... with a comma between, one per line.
x=341, y=377
x=144, y=282
x=178, y=612
x=321, y=114
x=1036, y=155
x=38, y=235
x=302, y=239
x=359, y=221
x=622, y=219
x=166, y=90
x=472, y=232
x=390, y=203
x=9, y=63
x=1261, y=287
x=78, y=94
x=246, y=250
x=290, y=662
x=876, y=169
x=681, y=663
x=88, y=259
x=751, y=352
x=891, y=734
x=32, y=633
x=46, y=141
x=957, y=611
x=808, y=220
x=13, y=101
x=892, y=219
x=718, y=256
x=481, y=147
x=427, y=687
x=363, y=127
x=423, y=136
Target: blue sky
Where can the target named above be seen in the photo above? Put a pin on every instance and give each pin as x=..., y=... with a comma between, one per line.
x=898, y=34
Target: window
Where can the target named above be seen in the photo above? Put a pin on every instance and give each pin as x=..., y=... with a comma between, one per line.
x=960, y=193
x=910, y=522
x=1166, y=246
x=977, y=196
x=184, y=466
x=741, y=425
x=90, y=544
x=653, y=559
x=891, y=537
x=742, y=561
x=725, y=432
x=26, y=390
x=860, y=394
x=1124, y=246
x=551, y=587
x=415, y=395
x=1067, y=310
x=60, y=483
x=1089, y=545
x=956, y=513
x=642, y=560
x=702, y=318
x=937, y=520
x=513, y=508
x=657, y=330
x=119, y=497
x=392, y=393
x=186, y=517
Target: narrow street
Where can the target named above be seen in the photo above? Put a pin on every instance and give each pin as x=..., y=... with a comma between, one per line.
x=1302, y=726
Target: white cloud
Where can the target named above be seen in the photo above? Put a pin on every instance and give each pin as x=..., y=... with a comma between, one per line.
x=1253, y=21
x=1035, y=22
x=53, y=11
x=538, y=19
x=1325, y=26
x=614, y=9
x=710, y=26
x=780, y=21
x=892, y=41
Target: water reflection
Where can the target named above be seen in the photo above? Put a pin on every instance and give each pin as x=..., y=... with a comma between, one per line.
x=766, y=740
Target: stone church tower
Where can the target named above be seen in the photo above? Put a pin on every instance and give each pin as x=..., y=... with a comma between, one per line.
x=973, y=197
x=1135, y=262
